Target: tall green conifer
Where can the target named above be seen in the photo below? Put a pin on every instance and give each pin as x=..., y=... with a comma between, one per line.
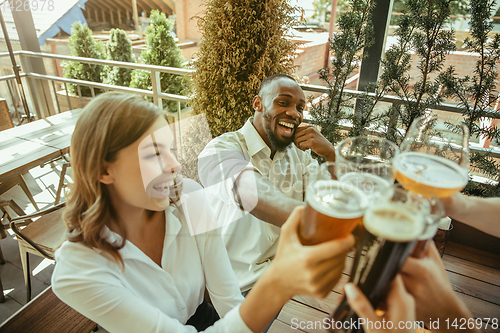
x=119, y=48
x=244, y=41
x=162, y=50
x=82, y=44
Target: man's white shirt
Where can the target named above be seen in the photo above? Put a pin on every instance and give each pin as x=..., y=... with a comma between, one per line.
x=250, y=242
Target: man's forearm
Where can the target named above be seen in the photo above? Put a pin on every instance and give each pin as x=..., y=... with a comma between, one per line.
x=272, y=205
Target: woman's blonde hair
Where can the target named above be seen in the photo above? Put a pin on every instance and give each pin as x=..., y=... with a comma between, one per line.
x=106, y=125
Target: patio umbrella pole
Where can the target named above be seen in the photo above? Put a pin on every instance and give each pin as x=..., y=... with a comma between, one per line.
x=16, y=68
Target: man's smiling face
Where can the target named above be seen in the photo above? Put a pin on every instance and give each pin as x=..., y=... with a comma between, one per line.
x=282, y=102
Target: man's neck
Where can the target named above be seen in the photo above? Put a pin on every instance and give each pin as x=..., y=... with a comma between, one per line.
x=259, y=127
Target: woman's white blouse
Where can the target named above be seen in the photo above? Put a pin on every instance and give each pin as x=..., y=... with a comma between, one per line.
x=145, y=297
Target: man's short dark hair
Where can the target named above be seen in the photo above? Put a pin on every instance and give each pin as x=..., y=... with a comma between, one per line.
x=271, y=78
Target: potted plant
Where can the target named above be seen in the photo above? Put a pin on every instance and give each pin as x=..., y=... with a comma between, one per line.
x=82, y=44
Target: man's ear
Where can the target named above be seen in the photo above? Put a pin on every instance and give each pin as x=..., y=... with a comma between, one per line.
x=257, y=103
x=106, y=176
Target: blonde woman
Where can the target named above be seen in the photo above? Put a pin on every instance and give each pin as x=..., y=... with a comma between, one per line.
x=131, y=264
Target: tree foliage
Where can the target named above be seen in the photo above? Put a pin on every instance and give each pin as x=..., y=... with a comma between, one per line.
x=82, y=44
x=323, y=7
x=477, y=94
x=457, y=7
x=243, y=43
x=356, y=33
x=162, y=50
x=119, y=48
x=420, y=32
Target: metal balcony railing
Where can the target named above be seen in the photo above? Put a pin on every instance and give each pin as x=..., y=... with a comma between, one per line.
x=159, y=96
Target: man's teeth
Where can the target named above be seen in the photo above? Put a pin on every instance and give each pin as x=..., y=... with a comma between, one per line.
x=282, y=123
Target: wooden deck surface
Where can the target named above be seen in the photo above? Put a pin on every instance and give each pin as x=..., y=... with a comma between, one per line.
x=474, y=274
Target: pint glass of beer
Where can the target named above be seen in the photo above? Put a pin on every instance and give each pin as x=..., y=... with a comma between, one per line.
x=333, y=210
x=366, y=162
x=434, y=156
x=393, y=223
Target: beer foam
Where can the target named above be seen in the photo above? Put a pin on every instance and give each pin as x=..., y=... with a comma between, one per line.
x=394, y=221
x=336, y=199
x=431, y=170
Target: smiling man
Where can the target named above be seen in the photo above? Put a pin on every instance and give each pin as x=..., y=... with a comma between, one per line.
x=258, y=174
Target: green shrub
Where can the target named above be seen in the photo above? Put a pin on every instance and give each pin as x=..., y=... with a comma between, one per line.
x=162, y=50
x=119, y=48
x=243, y=43
x=82, y=44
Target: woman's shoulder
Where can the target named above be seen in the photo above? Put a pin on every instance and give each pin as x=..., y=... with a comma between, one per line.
x=76, y=256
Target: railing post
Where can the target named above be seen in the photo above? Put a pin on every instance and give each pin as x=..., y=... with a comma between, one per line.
x=29, y=41
x=156, y=84
x=179, y=117
x=55, y=95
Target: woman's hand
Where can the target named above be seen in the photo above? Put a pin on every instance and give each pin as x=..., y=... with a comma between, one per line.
x=296, y=270
x=400, y=308
x=307, y=270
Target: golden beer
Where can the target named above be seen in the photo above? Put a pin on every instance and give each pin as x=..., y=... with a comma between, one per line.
x=333, y=210
x=424, y=173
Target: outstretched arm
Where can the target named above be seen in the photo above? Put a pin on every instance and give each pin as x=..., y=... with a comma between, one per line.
x=271, y=206
x=296, y=270
x=480, y=213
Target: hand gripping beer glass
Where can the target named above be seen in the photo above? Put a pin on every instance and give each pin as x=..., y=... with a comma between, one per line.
x=366, y=162
x=333, y=209
x=434, y=156
x=392, y=223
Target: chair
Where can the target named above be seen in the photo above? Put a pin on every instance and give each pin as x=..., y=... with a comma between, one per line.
x=65, y=167
x=3, y=226
x=47, y=314
x=40, y=237
x=14, y=181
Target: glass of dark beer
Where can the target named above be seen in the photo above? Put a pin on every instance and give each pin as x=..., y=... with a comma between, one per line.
x=333, y=210
x=393, y=223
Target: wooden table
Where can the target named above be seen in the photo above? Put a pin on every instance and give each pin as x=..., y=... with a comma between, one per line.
x=474, y=275
x=54, y=131
x=27, y=146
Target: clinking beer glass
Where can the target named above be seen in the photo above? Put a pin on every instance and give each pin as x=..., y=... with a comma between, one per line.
x=434, y=160
x=393, y=223
x=431, y=223
x=366, y=161
x=333, y=210
x=434, y=156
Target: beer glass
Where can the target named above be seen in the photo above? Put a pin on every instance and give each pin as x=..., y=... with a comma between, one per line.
x=366, y=162
x=333, y=210
x=431, y=222
x=434, y=156
x=392, y=223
